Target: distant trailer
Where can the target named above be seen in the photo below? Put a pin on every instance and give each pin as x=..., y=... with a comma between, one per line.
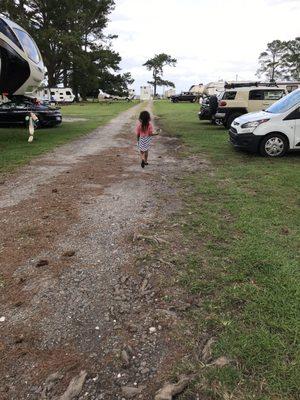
x=146, y=93
x=59, y=95
x=197, y=89
x=213, y=88
x=169, y=93
x=289, y=86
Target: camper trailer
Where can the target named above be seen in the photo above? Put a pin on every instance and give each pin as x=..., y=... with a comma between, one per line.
x=213, y=88
x=169, y=93
x=58, y=95
x=289, y=86
x=197, y=89
x=146, y=93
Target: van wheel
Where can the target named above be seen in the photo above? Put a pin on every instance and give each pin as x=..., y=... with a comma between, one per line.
x=274, y=145
x=231, y=118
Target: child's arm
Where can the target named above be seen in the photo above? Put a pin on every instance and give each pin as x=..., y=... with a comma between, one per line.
x=155, y=132
x=137, y=132
x=152, y=131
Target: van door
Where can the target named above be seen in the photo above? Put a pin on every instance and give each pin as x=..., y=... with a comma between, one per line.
x=294, y=118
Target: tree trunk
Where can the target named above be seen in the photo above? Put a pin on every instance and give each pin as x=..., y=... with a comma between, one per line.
x=154, y=82
x=65, y=79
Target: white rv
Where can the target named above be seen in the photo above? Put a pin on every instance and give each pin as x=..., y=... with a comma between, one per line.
x=197, y=89
x=103, y=96
x=146, y=93
x=289, y=86
x=169, y=93
x=213, y=88
x=59, y=95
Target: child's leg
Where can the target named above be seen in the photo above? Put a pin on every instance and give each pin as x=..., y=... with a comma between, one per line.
x=146, y=156
x=142, y=155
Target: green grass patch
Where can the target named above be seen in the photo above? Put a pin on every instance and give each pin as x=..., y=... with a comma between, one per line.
x=16, y=151
x=243, y=212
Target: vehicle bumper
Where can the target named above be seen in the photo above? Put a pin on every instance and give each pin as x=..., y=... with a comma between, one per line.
x=51, y=121
x=220, y=115
x=245, y=141
x=204, y=114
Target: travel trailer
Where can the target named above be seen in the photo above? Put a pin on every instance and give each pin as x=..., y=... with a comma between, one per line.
x=58, y=95
x=103, y=96
x=197, y=89
x=21, y=66
x=289, y=86
x=146, y=93
x=169, y=93
x=213, y=88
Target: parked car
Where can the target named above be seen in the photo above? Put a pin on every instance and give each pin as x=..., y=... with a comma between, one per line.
x=184, y=96
x=272, y=132
x=242, y=100
x=15, y=112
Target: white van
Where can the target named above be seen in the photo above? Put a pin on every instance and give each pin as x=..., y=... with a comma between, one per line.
x=272, y=132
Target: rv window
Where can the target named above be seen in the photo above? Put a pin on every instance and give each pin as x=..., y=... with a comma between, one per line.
x=52, y=93
x=68, y=93
x=229, y=96
x=5, y=29
x=28, y=44
x=256, y=95
x=273, y=94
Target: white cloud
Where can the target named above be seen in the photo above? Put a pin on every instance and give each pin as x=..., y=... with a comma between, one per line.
x=211, y=39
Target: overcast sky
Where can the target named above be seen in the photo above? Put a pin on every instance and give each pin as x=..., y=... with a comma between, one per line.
x=211, y=39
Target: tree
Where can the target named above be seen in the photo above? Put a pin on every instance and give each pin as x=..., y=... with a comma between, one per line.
x=156, y=65
x=291, y=59
x=271, y=60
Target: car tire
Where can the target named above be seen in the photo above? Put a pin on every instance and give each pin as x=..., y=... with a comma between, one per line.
x=274, y=145
x=231, y=118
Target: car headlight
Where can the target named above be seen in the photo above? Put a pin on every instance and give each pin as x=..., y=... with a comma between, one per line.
x=254, y=124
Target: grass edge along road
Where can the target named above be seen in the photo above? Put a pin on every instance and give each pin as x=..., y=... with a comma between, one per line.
x=240, y=231
x=16, y=151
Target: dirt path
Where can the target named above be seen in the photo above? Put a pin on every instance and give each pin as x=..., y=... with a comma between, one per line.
x=75, y=287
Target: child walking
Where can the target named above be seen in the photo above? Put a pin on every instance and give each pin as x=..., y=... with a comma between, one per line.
x=144, y=133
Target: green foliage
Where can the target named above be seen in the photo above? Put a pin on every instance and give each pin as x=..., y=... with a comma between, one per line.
x=156, y=65
x=270, y=60
x=280, y=60
x=70, y=36
x=291, y=59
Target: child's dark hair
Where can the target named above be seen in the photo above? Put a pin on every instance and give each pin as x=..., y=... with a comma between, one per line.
x=144, y=119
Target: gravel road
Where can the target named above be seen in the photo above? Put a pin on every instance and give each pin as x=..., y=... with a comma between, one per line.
x=76, y=293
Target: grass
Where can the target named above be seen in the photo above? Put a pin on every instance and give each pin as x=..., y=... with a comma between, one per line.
x=16, y=151
x=242, y=216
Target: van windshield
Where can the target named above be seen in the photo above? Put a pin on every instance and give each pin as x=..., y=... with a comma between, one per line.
x=285, y=103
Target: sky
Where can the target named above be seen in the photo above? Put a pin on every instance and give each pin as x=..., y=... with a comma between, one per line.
x=211, y=39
